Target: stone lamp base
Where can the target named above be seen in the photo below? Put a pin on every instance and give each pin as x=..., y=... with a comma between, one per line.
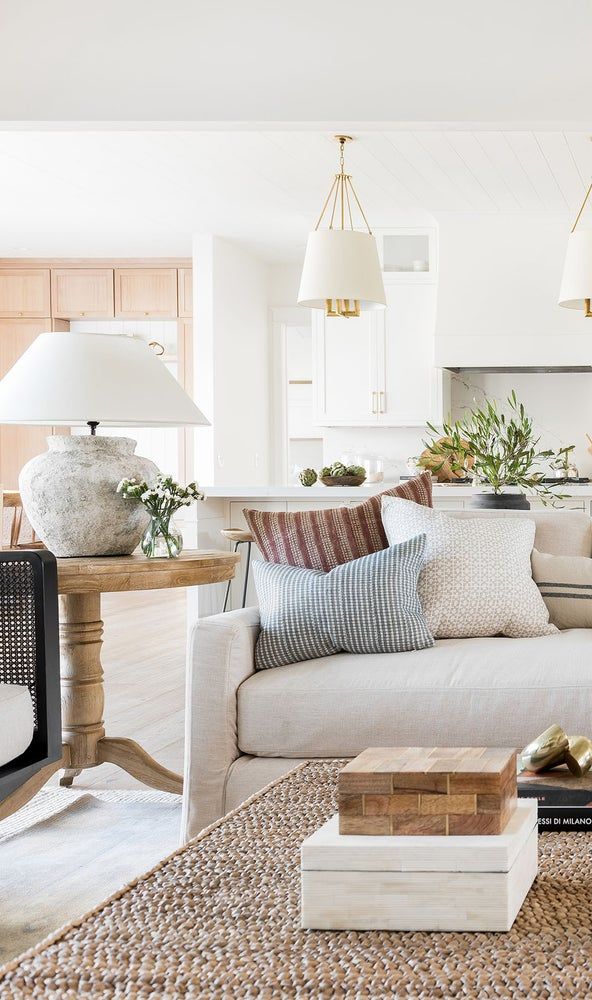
x=69, y=495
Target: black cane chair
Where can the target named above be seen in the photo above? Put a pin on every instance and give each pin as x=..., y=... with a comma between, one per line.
x=29, y=655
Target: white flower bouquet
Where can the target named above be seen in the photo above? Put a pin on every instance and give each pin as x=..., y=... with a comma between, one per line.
x=161, y=538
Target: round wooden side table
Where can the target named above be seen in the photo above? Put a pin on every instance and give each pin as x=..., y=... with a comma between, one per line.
x=81, y=581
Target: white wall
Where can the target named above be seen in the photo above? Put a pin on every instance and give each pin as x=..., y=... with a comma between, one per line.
x=283, y=283
x=498, y=285
x=231, y=361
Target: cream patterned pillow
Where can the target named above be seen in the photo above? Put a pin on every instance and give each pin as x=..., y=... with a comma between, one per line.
x=477, y=578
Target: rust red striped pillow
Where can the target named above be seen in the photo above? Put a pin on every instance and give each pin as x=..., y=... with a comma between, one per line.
x=323, y=539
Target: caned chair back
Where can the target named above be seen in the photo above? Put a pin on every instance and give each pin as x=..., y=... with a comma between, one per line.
x=29, y=655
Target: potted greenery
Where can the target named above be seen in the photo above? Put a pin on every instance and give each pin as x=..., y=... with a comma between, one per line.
x=563, y=464
x=500, y=450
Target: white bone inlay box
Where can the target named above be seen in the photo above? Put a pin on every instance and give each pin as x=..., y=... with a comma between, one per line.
x=464, y=883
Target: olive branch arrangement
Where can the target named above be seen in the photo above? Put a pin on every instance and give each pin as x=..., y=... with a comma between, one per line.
x=496, y=447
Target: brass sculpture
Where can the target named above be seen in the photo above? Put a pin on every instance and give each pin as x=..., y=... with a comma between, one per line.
x=554, y=747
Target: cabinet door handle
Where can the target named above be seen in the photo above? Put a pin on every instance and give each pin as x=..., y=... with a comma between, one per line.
x=381, y=402
x=374, y=399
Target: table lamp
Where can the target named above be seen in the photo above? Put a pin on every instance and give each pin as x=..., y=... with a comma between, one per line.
x=69, y=379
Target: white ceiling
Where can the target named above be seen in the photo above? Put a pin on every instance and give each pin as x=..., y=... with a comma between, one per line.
x=296, y=60
x=120, y=193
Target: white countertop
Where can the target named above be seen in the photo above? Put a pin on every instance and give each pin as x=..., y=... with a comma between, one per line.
x=355, y=492
x=293, y=492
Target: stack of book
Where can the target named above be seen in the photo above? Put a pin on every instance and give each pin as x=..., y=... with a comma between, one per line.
x=565, y=802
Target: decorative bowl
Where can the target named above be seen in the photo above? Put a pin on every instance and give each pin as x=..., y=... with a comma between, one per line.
x=343, y=480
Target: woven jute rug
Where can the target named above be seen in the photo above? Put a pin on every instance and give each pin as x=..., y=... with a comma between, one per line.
x=220, y=918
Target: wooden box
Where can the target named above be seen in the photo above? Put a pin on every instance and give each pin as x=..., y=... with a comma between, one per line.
x=469, y=883
x=429, y=791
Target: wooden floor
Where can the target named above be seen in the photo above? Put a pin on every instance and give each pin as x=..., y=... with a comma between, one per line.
x=144, y=664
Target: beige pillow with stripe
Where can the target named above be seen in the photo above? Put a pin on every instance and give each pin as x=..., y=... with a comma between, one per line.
x=565, y=583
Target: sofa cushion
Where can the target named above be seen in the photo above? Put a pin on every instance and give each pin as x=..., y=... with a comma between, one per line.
x=323, y=539
x=477, y=578
x=561, y=532
x=493, y=691
x=565, y=583
x=16, y=721
x=368, y=605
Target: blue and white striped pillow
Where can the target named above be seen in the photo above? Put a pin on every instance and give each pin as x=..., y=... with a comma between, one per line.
x=368, y=605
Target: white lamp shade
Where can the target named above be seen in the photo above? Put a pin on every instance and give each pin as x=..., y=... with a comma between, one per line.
x=341, y=264
x=576, y=284
x=74, y=378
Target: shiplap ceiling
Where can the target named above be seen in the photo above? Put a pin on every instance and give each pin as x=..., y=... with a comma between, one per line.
x=145, y=193
x=296, y=60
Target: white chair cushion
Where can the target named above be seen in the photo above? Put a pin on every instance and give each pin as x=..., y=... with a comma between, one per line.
x=16, y=721
x=462, y=692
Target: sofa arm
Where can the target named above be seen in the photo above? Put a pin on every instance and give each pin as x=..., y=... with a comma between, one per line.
x=221, y=655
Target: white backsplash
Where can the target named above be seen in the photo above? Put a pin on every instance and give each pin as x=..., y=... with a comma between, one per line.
x=560, y=405
x=393, y=444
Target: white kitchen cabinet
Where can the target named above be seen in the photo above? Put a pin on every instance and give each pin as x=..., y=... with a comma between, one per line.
x=344, y=369
x=407, y=379
x=378, y=369
x=409, y=255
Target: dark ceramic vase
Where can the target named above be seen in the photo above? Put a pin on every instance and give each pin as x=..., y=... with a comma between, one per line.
x=500, y=501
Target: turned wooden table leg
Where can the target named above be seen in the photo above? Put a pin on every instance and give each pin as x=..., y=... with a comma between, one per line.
x=83, y=699
x=81, y=631
x=130, y=756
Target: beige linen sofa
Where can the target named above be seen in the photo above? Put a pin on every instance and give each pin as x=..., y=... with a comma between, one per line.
x=245, y=728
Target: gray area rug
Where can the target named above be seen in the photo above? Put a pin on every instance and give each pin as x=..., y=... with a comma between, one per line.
x=67, y=850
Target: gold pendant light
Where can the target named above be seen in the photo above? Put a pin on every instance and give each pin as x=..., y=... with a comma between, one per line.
x=341, y=271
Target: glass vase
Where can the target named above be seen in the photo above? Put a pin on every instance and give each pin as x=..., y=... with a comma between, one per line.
x=162, y=539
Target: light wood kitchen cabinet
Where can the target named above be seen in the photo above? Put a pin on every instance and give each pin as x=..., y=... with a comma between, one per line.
x=185, y=291
x=24, y=292
x=145, y=292
x=80, y=292
x=18, y=444
x=185, y=353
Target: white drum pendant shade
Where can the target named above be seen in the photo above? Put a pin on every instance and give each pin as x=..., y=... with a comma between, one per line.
x=576, y=284
x=341, y=271
x=341, y=264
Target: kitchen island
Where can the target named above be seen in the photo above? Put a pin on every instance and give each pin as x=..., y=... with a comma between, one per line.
x=223, y=508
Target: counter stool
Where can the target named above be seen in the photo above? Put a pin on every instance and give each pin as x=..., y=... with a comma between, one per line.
x=239, y=536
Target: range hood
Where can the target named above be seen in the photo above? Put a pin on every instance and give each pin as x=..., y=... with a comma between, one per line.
x=512, y=369
x=498, y=284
